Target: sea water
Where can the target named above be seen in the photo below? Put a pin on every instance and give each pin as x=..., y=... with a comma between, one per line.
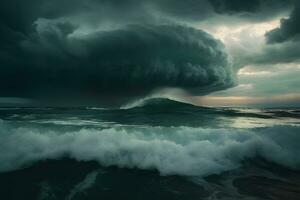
x=158, y=149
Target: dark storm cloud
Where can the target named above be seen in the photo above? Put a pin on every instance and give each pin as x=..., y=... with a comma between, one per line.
x=21, y=14
x=282, y=43
x=42, y=56
x=236, y=5
x=289, y=28
x=250, y=6
x=249, y=10
x=18, y=17
x=286, y=52
x=120, y=64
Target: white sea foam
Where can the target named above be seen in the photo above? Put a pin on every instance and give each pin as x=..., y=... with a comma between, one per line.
x=170, y=150
x=73, y=122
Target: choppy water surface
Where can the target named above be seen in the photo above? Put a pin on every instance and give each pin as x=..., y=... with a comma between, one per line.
x=159, y=149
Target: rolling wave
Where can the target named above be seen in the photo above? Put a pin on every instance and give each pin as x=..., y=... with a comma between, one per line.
x=170, y=150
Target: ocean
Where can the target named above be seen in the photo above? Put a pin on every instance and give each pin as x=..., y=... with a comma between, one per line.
x=157, y=149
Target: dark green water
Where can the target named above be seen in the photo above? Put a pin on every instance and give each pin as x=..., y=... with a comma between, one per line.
x=160, y=149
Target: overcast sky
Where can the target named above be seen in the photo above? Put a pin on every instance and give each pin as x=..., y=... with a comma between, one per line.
x=111, y=52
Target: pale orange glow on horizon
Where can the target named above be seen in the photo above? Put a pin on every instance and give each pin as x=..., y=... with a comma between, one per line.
x=242, y=100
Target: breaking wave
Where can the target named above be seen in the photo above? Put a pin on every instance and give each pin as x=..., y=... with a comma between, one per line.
x=170, y=150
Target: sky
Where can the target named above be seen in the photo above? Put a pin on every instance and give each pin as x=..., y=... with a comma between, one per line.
x=112, y=52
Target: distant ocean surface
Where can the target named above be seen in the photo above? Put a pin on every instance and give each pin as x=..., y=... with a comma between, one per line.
x=157, y=149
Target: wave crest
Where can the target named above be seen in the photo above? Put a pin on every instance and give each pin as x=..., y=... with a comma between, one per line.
x=170, y=150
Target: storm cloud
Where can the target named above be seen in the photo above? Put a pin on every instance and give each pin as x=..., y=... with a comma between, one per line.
x=110, y=51
x=289, y=28
x=282, y=43
x=116, y=65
